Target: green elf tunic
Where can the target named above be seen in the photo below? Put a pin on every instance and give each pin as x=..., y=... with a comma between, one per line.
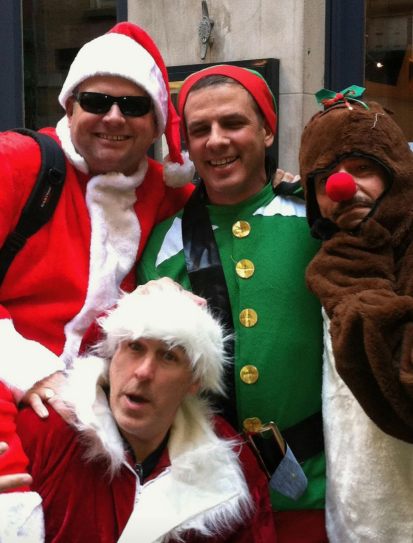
x=282, y=337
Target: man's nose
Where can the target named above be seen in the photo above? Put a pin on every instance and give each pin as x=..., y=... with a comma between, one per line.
x=114, y=115
x=344, y=169
x=217, y=137
x=145, y=369
x=341, y=187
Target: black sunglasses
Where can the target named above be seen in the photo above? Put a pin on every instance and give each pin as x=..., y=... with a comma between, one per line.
x=98, y=103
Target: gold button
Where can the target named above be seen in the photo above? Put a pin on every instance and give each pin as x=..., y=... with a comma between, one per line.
x=245, y=268
x=241, y=229
x=252, y=425
x=249, y=374
x=248, y=318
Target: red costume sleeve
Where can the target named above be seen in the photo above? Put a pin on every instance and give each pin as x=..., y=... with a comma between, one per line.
x=14, y=460
x=19, y=164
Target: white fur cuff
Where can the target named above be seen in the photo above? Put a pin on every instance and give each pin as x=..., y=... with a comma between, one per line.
x=21, y=518
x=24, y=362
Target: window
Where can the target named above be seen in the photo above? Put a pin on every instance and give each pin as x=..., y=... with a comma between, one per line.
x=370, y=44
x=40, y=38
x=389, y=58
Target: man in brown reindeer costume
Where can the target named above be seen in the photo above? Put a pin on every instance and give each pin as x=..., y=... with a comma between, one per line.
x=357, y=173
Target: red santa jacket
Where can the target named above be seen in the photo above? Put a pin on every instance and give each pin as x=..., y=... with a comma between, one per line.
x=71, y=270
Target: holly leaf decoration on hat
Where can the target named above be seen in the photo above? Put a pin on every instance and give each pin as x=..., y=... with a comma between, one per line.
x=328, y=98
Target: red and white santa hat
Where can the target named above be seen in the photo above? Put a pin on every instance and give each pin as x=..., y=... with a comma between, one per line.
x=128, y=51
x=167, y=313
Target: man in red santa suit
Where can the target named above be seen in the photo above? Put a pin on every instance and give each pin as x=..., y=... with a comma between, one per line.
x=144, y=459
x=117, y=102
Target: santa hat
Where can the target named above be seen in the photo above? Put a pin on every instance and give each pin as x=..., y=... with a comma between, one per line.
x=251, y=80
x=167, y=313
x=128, y=51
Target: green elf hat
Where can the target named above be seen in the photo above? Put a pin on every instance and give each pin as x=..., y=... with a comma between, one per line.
x=251, y=80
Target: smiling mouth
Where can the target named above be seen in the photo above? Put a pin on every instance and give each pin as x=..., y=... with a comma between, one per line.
x=111, y=137
x=223, y=161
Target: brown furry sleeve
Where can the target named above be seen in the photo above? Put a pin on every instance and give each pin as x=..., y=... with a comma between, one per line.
x=371, y=324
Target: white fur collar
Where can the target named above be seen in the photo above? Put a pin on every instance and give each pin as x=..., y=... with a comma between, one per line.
x=115, y=239
x=204, y=466
x=63, y=133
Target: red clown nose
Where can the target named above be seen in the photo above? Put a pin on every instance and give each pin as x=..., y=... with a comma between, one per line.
x=340, y=187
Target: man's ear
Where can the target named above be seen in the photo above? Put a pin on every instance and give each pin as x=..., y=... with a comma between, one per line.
x=69, y=108
x=269, y=135
x=194, y=387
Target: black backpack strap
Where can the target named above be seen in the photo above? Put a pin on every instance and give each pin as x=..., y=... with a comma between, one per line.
x=42, y=201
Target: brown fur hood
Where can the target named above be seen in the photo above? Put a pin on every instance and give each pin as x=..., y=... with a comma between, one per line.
x=338, y=132
x=364, y=278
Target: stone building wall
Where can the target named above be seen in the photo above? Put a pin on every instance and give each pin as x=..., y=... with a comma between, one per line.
x=292, y=31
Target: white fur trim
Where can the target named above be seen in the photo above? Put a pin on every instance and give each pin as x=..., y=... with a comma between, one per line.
x=63, y=133
x=24, y=362
x=369, y=473
x=119, y=55
x=21, y=518
x=178, y=175
x=213, y=469
x=287, y=206
x=204, y=490
x=168, y=313
x=94, y=418
x=115, y=241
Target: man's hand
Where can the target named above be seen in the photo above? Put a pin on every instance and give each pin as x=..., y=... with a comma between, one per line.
x=166, y=282
x=10, y=482
x=48, y=390
x=281, y=175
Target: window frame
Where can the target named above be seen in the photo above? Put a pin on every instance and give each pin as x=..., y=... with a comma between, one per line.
x=344, y=44
x=11, y=61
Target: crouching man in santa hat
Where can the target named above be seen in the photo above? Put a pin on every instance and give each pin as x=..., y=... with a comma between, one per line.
x=145, y=458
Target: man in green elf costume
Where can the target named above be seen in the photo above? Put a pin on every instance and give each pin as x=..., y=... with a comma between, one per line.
x=244, y=246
